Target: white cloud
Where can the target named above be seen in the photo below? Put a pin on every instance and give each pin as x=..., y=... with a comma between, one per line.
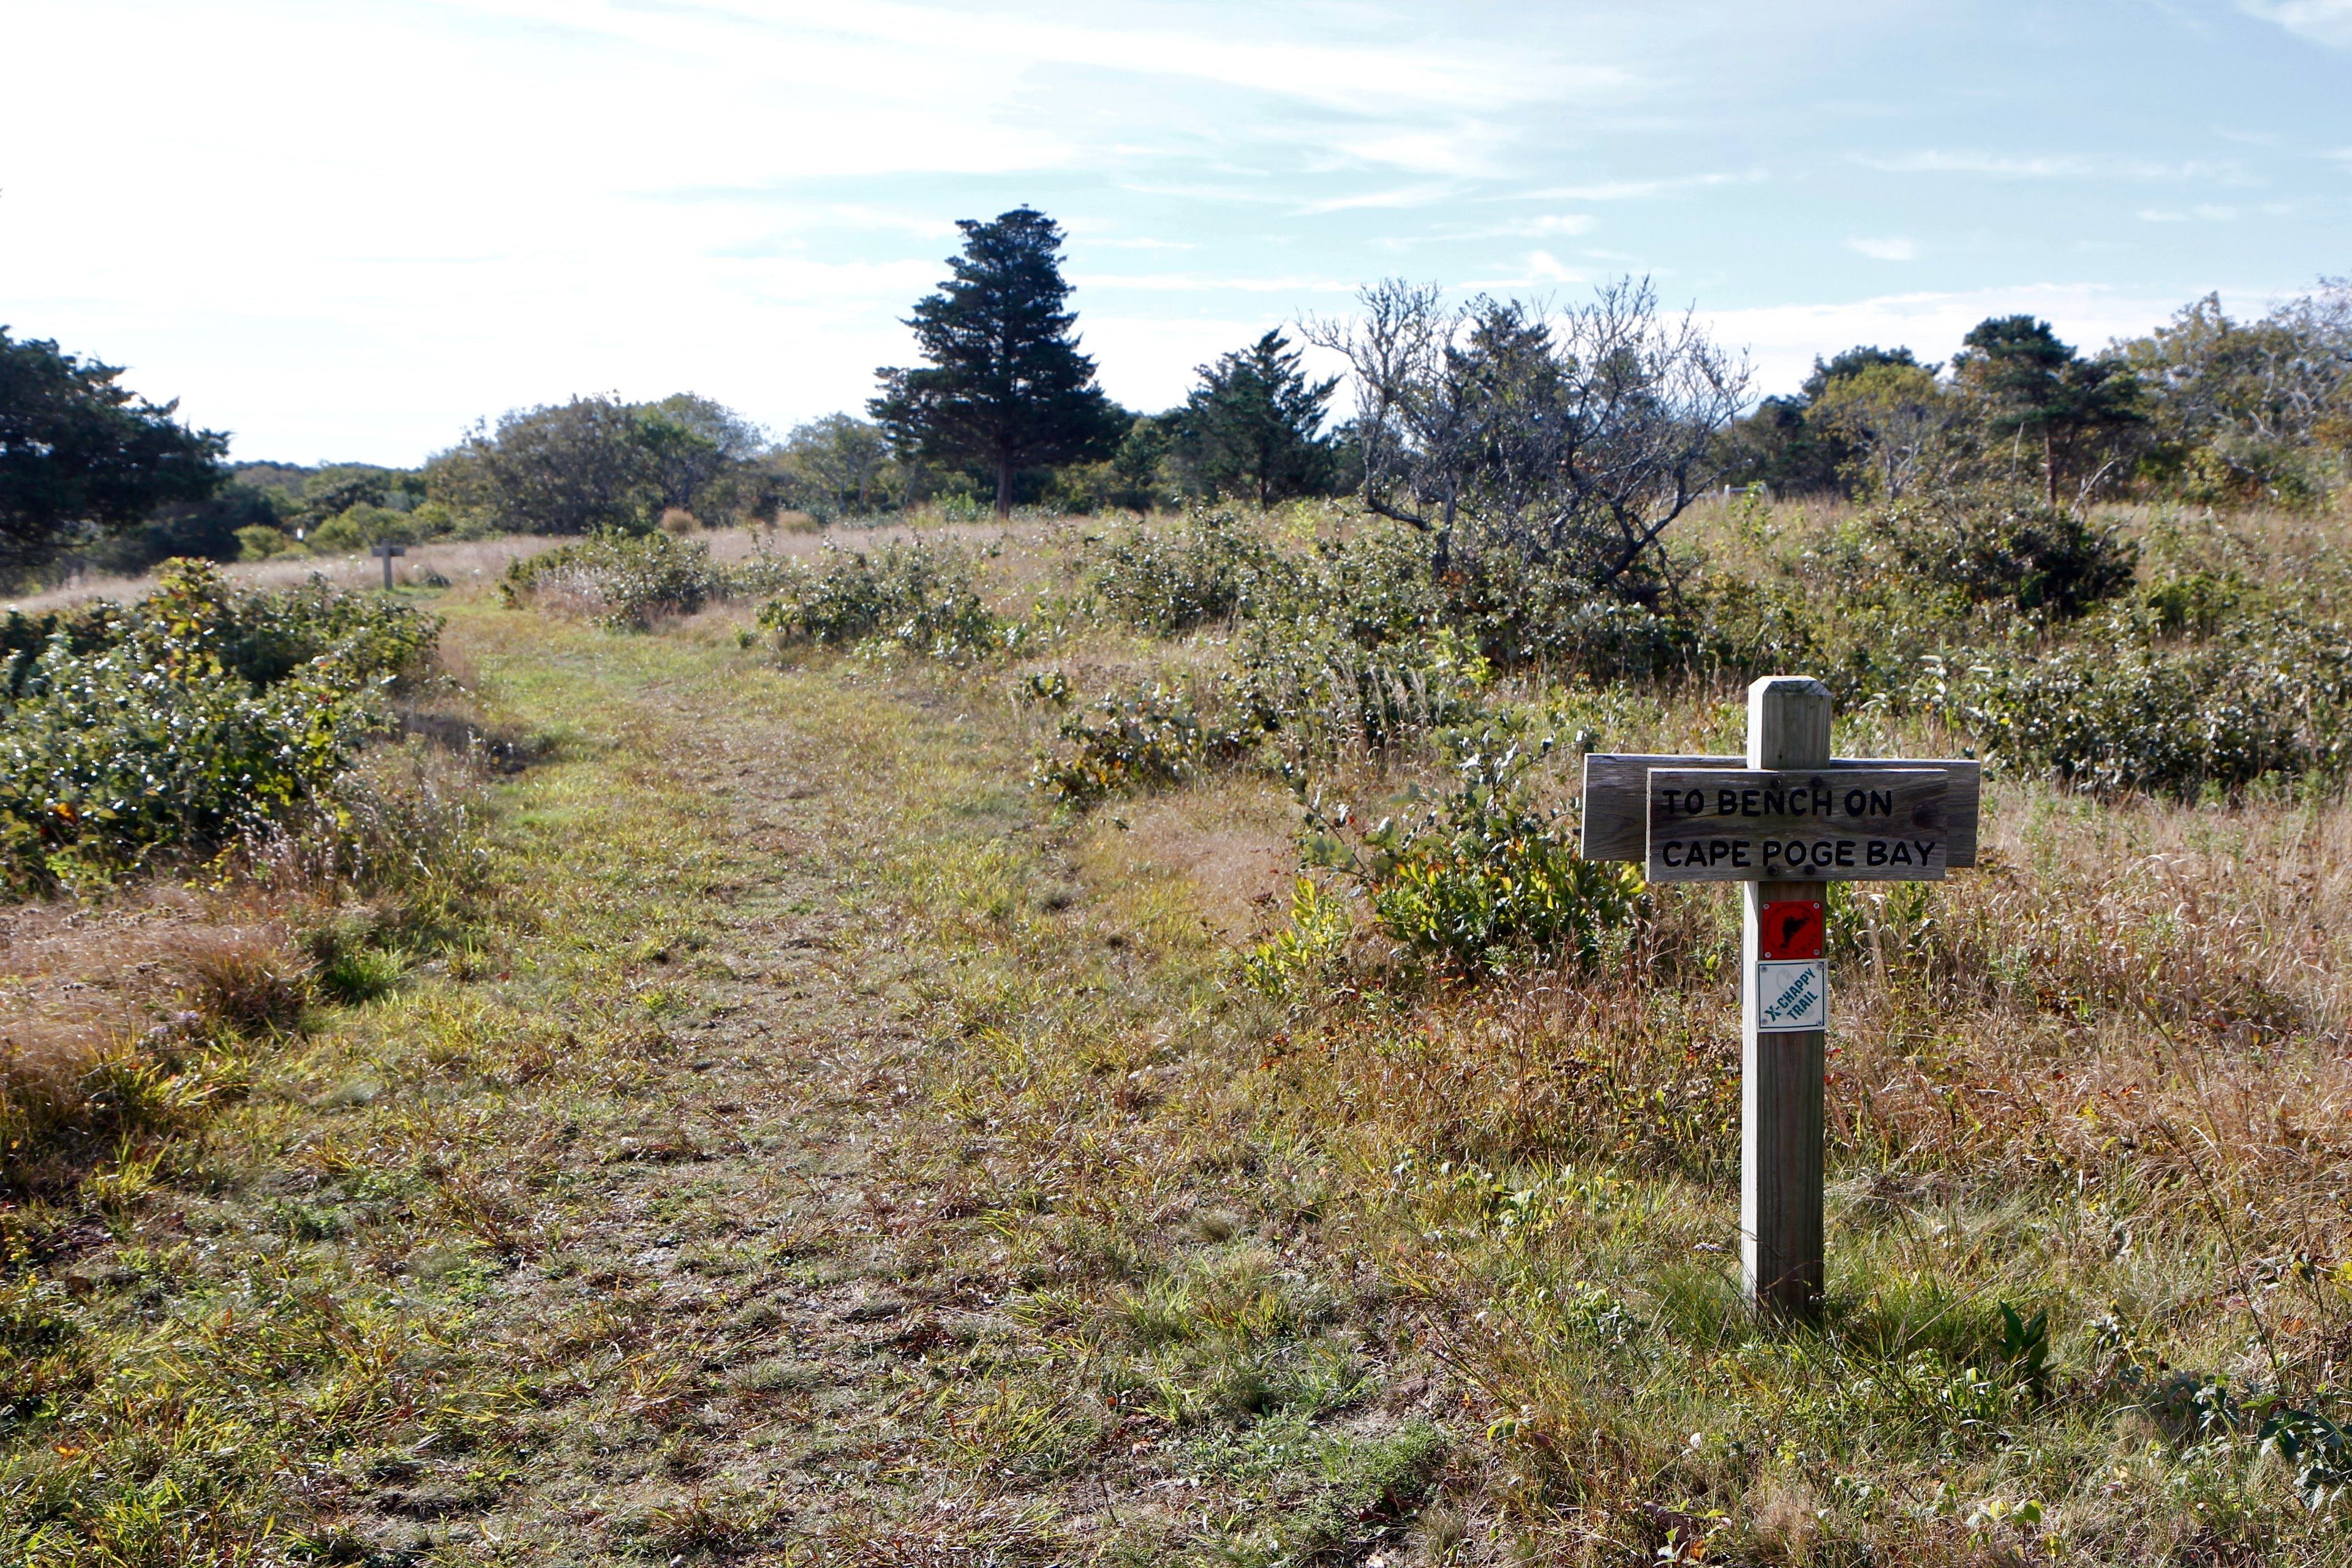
x=2064, y=166
x=1404, y=196
x=1630, y=190
x=2321, y=21
x=1206, y=283
x=1539, y=269
x=1894, y=248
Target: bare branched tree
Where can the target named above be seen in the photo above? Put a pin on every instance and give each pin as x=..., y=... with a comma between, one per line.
x=1571, y=441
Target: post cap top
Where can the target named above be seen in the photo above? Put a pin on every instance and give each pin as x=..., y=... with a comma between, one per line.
x=1787, y=683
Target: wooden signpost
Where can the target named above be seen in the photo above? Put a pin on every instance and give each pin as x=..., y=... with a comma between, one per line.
x=1785, y=821
x=388, y=552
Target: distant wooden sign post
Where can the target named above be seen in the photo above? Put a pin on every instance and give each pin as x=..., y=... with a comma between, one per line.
x=1784, y=821
x=388, y=552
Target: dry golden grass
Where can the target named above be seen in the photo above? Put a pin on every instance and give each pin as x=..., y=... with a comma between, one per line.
x=101, y=1004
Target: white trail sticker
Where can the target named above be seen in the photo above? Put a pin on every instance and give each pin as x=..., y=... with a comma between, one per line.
x=1792, y=996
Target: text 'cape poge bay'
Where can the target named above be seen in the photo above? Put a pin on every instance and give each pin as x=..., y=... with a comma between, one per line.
x=1709, y=825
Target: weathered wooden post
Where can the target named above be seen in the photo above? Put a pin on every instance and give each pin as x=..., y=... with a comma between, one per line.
x=1782, y=1070
x=388, y=552
x=1784, y=821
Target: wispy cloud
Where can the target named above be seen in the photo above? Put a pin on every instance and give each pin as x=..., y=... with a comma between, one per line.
x=1539, y=269
x=1630, y=190
x=1404, y=197
x=1892, y=249
x=2204, y=213
x=1207, y=283
x=2322, y=21
x=2031, y=168
x=1467, y=149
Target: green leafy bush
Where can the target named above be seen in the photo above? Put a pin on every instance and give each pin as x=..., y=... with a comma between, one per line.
x=2123, y=711
x=1320, y=692
x=2032, y=557
x=1212, y=569
x=196, y=718
x=623, y=581
x=1318, y=935
x=1149, y=737
x=1482, y=878
x=919, y=594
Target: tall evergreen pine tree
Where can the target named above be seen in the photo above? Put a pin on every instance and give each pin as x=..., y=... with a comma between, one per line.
x=1005, y=386
x=1251, y=423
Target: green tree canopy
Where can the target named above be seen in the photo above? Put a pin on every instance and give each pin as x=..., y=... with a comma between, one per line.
x=81, y=455
x=1005, y=386
x=598, y=462
x=1888, y=413
x=1855, y=362
x=2034, y=387
x=691, y=445
x=1253, y=424
x=834, y=466
x=2255, y=407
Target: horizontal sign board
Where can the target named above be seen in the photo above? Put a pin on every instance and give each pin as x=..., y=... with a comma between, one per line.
x=1792, y=997
x=1872, y=825
x=1617, y=807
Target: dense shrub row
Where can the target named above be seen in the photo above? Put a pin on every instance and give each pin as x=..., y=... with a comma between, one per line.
x=2015, y=624
x=918, y=594
x=625, y=581
x=194, y=719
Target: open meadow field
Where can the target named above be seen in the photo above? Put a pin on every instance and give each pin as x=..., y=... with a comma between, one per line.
x=1081, y=1042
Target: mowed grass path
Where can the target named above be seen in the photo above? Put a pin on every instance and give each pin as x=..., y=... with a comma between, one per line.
x=710, y=1203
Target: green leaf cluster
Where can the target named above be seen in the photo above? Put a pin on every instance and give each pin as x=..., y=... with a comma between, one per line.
x=198, y=717
x=919, y=594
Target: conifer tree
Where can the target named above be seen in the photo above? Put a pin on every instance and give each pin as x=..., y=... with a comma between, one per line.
x=2036, y=387
x=1005, y=386
x=1252, y=423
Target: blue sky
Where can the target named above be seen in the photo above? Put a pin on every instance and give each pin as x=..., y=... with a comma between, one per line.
x=348, y=229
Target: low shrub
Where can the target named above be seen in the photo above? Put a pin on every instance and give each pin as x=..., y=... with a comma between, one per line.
x=919, y=594
x=1484, y=879
x=2123, y=712
x=193, y=720
x=1293, y=959
x=1212, y=569
x=2030, y=557
x=1320, y=692
x=623, y=580
x=1149, y=737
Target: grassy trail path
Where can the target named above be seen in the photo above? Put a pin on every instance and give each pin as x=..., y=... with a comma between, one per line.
x=849, y=1062
x=720, y=924
x=810, y=1155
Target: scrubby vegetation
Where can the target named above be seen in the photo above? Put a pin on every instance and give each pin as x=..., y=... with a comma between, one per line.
x=222, y=735
x=1094, y=1038
x=917, y=594
x=1534, y=1058
x=198, y=719
x=623, y=581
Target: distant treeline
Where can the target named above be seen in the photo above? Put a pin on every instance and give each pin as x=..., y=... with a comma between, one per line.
x=2204, y=410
